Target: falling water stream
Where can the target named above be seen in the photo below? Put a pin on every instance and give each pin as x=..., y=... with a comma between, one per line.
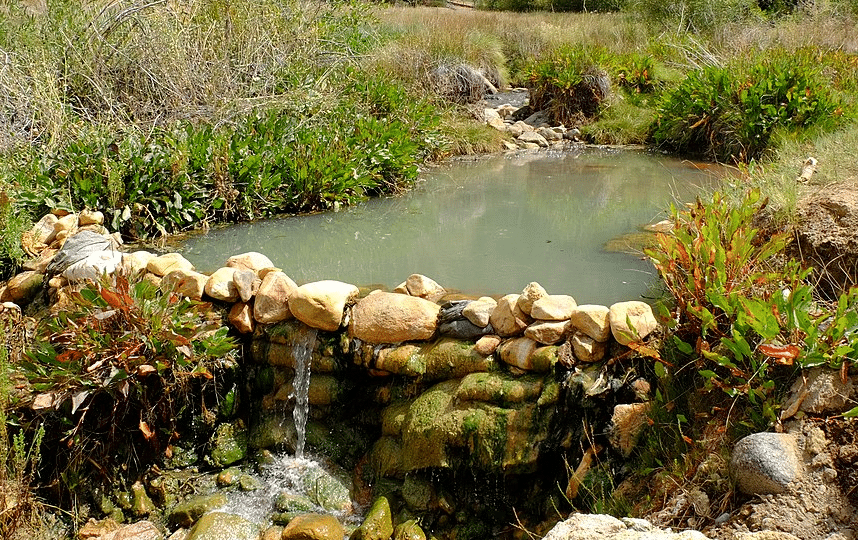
x=303, y=355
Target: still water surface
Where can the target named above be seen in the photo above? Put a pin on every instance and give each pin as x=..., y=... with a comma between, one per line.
x=485, y=227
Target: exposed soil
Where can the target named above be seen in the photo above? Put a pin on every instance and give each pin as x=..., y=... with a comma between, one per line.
x=821, y=505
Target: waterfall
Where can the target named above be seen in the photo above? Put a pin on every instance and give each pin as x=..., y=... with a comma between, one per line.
x=302, y=352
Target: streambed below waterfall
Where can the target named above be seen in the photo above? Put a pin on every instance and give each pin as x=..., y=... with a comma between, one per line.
x=488, y=226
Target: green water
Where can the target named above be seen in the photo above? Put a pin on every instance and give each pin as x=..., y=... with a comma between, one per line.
x=484, y=227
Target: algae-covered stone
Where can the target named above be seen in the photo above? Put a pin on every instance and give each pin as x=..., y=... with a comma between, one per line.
x=418, y=494
x=392, y=418
x=223, y=526
x=403, y=360
x=386, y=457
x=293, y=502
x=141, y=504
x=313, y=527
x=229, y=444
x=378, y=524
x=324, y=390
x=499, y=388
x=270, y=430
x=441, y=432
x=443, y=359
x=228, y=477
x=326, y=490
x=186, y=513
x=408, y=530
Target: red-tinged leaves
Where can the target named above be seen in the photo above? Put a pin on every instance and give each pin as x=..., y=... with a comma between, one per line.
x=783, y=354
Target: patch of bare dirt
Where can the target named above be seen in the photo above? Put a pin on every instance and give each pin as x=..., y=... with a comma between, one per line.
x=821, y=505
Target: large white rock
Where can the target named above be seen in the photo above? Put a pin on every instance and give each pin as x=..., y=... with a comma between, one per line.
x=507, y=319
x=384, y=317
x=479, y=311
x=271, y=303
x=251, y=260
x=553, y=307
x=593, y=321
x=631, y=321
x=93, y=266
x=321, y=304
x=221, y=286
x=604, y=527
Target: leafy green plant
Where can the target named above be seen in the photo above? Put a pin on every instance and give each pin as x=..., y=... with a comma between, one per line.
x=570, y=84
x=739, y=313
x=732, y=112
x=125, y=364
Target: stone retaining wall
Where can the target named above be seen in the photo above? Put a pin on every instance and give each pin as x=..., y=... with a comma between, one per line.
x=412, y=380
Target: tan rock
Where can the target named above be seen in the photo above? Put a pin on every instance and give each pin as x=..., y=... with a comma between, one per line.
x=188, y=283
x=479, y=311
x=517, y=352
x=164, y=264
x=593, y=321
x=321, y=304
x=271, y=303
x=628, y=421
x=246, y=283
x=313, y=527
x=136, y=262
x=533, y=292
x=487, y=345
x=23, y=287
x=65, y=225
x=424, y=287
x=57, y=282
x=142, y=530
x=384, y=317
x=401, y=289
x=507, y=319
x=494, y=119
x=241, y=317
x=90, y=217
x=40, y=264
x=553, y=307
x=249, y=261
x=265, y=271
x=546, y=332
x=631, y=321
x=587, y=349
x=221, y=286
x=43, y=232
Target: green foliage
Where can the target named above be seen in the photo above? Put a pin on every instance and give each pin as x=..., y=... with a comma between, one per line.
x=173, y=179
x=569, y=83
x=693, y=15
x=126, y=365
x=20, y=455
x=732, y=113
x=741, y=317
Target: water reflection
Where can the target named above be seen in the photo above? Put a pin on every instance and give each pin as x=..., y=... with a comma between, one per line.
x=484, y=227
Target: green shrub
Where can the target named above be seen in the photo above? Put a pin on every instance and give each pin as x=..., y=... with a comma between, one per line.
x=126, y=366
x=742, y=318
x=731, y=113
x=570, y=84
